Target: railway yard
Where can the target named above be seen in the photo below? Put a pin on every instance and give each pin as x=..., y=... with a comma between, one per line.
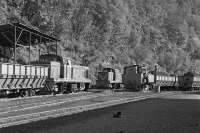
x=153, y=112
x=19, y=111
x=55, y=95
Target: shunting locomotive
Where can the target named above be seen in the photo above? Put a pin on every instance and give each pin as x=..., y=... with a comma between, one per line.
x=50, y=73
x=63, y=76
x=109, y=78
x=137, y=78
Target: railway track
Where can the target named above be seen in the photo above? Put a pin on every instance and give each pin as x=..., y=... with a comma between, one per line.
x=16, y=117
x=32, y=105
x=18, y=101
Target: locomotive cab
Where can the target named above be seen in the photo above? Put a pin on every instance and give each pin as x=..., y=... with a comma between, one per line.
x=54, y=62
x=47, y=58
x=135, y=77
x=105, y=77
x=186, y=81
x=109, y=73
x=109, y=78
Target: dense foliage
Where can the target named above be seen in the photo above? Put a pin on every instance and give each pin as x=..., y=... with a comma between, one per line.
x=117, y=32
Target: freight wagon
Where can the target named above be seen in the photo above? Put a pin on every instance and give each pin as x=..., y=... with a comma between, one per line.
x=50, y=73
x=16, y=78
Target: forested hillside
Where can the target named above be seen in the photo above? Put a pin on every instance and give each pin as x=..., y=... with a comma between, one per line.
x=116, y=32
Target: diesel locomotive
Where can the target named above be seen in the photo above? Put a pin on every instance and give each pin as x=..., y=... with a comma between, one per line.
x=109, y=78
x=50, y=73
x=63, y=76
x=137, y=78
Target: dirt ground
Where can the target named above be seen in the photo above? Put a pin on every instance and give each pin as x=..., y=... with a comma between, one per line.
x=149, y=116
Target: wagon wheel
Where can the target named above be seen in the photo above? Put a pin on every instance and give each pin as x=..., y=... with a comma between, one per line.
x=26, y=93
x=21, y=93
x=32, y=92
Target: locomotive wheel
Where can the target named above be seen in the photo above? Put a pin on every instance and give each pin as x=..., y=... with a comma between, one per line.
x=82, y=87
x=116, y=86
x=87, y=86
x=53, y=91
x=74, y=88
x=69, y=88
x=110, y=86
x=62, y=89
x=113, y=86
x=78, y=88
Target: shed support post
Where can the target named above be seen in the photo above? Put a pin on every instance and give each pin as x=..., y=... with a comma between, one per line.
x=155, y=74
x=15, y=44
x=38, y=51
x=48, y=48
x=56, y=48
x=158, y=89
x=29, y=50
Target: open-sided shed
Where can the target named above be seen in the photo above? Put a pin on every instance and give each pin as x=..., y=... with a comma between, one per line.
x=15, y=35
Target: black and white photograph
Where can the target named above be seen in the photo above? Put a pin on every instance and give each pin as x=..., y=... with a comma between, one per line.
x=99, y=66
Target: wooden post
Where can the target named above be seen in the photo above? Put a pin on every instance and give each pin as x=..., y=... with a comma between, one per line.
x=158, y=89
x=39, y=53
x=29, y=50
x=38, y=50
x=56, y=48
x=15, y=44
x=155, y=74
x=48, y=49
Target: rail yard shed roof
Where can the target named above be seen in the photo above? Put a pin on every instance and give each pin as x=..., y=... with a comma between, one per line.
x=22, y=35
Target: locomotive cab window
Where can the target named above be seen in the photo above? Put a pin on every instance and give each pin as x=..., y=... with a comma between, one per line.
x=110, y=70
x=47, y=58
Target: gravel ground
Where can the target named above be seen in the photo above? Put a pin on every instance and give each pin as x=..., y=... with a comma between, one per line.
x=34, y=99
x=100, y=97
x=149, y=116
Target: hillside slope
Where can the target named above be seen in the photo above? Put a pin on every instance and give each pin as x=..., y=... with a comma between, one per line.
x=116, y=33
